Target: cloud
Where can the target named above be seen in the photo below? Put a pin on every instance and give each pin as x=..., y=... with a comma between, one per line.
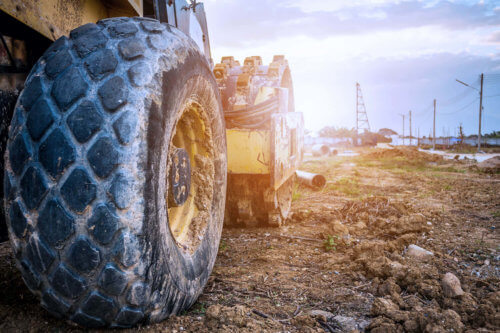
x=404, y=53
x=242, y=22
x=494, y=38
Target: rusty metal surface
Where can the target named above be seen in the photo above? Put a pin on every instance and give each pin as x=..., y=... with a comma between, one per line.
x=240, y=84
x=259, y=97
x=250, y=201
x=286, y=146
x=55, y=18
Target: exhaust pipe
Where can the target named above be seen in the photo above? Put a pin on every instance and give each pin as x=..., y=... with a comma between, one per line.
x=313, y=180
x=320, y=150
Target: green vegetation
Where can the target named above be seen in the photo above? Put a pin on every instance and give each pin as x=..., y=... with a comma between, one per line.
x=329, y=243
x=199, y=308
x=296, y=194
x=393, y=163
x=367, y=138
x=345, y=185
x=493, y=134
x=222, y=245
x=447, y=169
x=319, y=165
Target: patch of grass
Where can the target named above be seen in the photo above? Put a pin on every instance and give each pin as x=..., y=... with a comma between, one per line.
x=345, y=185
x=399, y=164
x=447, y=187
x=320, y=165
x=199, y=308
x=447, y=169
x=223, y=246
x=296, y=194
x=496, y=214
x=423, y=195
x=366, y=163
x=329, y=243
x=465, y=149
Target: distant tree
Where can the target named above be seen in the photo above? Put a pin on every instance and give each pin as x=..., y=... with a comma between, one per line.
x=367, y=138
x=333, y=132
x=386, y=132
x=461, y=134
x=371, y=139
x=493, y=134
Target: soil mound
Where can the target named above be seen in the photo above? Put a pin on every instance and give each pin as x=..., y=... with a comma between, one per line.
x=490, y=165
x=408, y=153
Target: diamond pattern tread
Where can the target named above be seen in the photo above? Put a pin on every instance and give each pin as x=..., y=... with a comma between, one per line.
x=75, y=171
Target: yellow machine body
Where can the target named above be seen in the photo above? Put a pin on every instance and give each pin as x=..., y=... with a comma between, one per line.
x=55, y=18
x=248, y=151
x=277, y=151
x=264, y=133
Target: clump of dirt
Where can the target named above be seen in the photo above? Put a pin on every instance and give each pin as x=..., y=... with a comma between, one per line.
x=408, y=153
x=410, y=297
x=491, y=165
x=237, y=318
x=385, y=224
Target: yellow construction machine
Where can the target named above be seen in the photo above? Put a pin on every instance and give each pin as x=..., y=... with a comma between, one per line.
x=126, y=150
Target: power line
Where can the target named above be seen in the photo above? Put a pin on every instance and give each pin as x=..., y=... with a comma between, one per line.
x=456, y=98
x=459, y=110
x=426, y=117
x=424, y=111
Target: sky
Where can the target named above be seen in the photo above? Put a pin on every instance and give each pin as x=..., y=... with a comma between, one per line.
x=403, y=53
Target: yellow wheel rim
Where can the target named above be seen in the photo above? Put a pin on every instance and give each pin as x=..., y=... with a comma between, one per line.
x=188, y=222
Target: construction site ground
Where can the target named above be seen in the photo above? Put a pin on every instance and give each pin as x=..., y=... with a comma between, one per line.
x=340, y=264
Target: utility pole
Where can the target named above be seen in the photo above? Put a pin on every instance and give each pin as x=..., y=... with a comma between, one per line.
x=480, y=108
x=402, y=115
x=480, y=114
x=418, y=137
x=434, y=128
x=410, y=127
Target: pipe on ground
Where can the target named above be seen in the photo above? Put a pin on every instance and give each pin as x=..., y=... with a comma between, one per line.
x=320, y=150
x=313, y=180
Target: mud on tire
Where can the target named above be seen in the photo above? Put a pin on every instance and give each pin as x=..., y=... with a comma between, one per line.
x=86, y=173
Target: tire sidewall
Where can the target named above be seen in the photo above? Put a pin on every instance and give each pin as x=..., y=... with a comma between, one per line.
x=191, y=80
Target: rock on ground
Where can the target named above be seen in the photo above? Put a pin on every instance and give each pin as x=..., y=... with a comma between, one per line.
x=451, y=286
x=417, y=252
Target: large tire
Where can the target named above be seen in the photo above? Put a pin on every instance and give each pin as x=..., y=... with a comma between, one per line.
x=87, y=174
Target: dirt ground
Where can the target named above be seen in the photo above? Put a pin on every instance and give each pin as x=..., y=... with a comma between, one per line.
x=340, y=264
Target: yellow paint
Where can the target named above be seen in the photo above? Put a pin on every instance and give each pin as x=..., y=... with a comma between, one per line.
x=248, y=151
x=190, y=134
x=56, y=18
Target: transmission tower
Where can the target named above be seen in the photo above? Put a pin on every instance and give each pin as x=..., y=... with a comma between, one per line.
x=361, y=116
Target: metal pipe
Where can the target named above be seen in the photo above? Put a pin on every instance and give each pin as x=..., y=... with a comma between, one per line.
x=320, y=150
x=311, y=179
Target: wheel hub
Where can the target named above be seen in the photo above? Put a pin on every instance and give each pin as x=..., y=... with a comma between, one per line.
x=180, y=177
